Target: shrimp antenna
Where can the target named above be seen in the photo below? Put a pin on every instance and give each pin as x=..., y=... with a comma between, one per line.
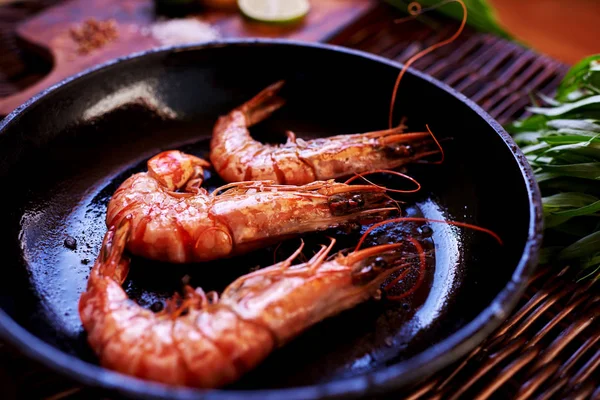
x=437, y=142
x=402, y=275
x=419, y=219
x=415, y=10
x=386, y=171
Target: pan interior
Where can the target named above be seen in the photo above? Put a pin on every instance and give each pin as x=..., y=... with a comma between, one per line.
x=86, y=139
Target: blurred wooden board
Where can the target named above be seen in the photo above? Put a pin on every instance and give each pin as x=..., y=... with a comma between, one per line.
x=49, y=32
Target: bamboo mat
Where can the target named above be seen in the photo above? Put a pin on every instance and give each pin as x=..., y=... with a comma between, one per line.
x=549, y=347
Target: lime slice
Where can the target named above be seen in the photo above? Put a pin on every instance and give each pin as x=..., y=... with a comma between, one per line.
x=274, y=11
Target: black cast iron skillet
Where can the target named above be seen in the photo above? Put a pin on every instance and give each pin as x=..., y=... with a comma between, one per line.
x=63, y=153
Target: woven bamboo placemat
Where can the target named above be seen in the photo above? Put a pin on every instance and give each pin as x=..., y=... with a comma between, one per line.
x=548, y=348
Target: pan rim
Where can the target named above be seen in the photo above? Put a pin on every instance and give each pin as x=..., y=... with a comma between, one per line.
x=431, y=360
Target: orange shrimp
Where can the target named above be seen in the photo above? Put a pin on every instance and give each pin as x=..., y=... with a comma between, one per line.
x=194, y=225
x=208, y=342
x=236, y=156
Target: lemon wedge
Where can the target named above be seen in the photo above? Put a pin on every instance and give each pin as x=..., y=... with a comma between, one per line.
x=275, y=11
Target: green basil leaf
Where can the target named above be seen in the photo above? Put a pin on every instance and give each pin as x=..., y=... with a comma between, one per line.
x=569, y=200
x=589, y=102
x=575, y=124
x=583, y=170
x=481, y=15
x=533, y=123
x=584, y=247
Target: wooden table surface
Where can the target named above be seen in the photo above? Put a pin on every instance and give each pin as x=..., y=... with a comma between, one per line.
x=557, y=315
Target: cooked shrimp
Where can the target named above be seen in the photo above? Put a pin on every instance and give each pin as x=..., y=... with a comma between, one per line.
x=209, y=342
x=236, y=156
x=193, y=225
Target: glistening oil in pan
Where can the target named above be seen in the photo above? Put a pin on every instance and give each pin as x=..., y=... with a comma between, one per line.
x=369, y=336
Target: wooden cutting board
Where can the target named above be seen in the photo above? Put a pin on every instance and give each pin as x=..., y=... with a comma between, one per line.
x=50, y=32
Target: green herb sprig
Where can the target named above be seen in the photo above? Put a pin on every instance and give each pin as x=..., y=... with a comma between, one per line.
x=561, y=140
x=481, y=16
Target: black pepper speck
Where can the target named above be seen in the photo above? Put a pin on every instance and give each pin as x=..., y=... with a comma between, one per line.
x=157, y=306
x=70, y=243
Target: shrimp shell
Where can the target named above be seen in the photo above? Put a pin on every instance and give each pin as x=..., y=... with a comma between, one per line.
x=237, y=157
x=210, y=343
x=193, y=225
